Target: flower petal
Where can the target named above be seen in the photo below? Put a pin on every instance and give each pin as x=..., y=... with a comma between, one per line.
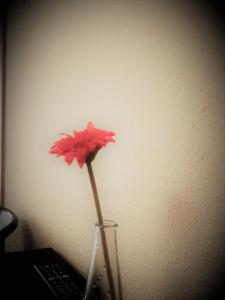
x=81, y=144
x=69, y=157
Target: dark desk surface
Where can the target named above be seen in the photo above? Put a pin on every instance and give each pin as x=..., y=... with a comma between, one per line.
x=18, y=279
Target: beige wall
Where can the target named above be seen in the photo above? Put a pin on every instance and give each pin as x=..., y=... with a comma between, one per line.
x=153, y=72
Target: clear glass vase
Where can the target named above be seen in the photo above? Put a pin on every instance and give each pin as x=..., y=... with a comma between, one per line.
x=104, y=281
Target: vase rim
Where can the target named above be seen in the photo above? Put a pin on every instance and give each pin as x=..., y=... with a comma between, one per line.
x=106, y=224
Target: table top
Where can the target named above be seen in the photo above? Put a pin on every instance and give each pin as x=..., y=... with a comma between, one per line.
x=19, y=279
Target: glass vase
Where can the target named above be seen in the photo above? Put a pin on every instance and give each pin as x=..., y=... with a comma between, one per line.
x=103, y=281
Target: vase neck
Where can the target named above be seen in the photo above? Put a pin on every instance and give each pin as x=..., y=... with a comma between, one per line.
x=106, y=224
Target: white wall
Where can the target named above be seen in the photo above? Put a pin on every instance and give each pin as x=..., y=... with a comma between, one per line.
x=153, y=72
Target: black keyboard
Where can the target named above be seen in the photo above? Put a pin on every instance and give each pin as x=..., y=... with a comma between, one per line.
x=60, y=281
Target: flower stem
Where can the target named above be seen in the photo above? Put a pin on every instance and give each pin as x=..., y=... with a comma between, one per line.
x=100, y=221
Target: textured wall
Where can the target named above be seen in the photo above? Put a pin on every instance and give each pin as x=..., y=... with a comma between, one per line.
x=153, y=72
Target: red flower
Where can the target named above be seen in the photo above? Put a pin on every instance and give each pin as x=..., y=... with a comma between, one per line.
x=82, y=144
